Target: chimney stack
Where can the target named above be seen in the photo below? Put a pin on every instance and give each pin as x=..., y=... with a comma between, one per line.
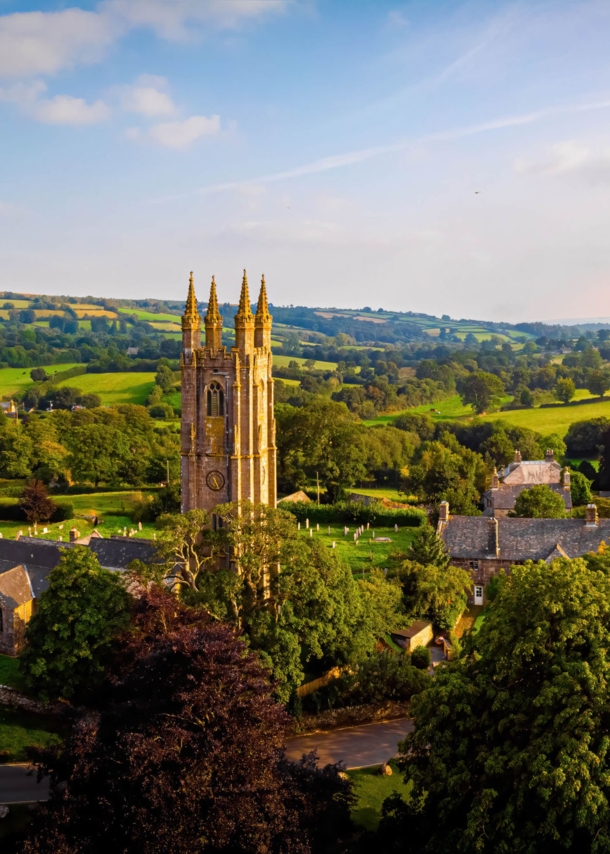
x=443, y=511
x=566, y=478
x=495, y=482
x=74, y=534
x=494, y=543
x=518, y=456
x=591, y=516
x=549, y=457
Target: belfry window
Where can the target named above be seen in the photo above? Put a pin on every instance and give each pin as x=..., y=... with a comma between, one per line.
x=215, y=400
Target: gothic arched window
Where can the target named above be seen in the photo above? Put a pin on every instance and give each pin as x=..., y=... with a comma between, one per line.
x=215, y=400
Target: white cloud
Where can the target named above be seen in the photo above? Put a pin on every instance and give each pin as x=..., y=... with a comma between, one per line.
x=44, y=42
x=66, y=110
x=570, y=158
x=59, y=110
x=173, y=19
x=180, y=135
x=148, y=97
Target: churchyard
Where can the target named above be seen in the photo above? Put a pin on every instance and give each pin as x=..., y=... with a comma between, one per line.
x=363, y=554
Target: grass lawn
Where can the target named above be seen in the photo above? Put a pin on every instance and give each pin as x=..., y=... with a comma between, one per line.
x=126, y=387
x=112, y=508
x=358, y=556
x=372, y=790
x=150, y=315
x=20, y=729
x=9, y=673
x=446, y=410
x=15, y=380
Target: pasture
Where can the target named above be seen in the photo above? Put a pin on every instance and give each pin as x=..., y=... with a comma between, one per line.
x=114, y=388
x=284, y=361
x=16, y=380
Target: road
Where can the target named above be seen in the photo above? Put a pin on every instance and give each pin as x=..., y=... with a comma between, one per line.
x=19, y=786
x=356, y=746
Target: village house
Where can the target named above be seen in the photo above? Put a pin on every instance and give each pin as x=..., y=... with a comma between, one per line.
x=484, y=545
x=25, y=565
x=522, y=474
x=418, y=633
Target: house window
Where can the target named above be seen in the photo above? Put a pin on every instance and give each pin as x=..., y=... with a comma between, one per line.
x=215, y=400
x=473, y=564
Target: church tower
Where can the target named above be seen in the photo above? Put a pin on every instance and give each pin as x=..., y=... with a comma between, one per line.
x=228, y=426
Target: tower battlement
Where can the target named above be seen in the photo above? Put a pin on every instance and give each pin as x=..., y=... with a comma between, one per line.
x=228, y=450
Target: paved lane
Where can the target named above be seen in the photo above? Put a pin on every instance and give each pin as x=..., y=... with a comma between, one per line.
x=18, y=785
x=357, y=746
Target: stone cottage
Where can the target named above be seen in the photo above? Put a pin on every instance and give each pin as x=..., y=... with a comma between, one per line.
x=484, y=545
x=25, y=565
x=521, y=474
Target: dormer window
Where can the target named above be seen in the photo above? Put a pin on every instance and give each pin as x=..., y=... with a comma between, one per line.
x=215, y=400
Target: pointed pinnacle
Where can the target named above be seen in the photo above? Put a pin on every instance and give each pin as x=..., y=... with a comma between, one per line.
x=191, y=301
x=245, y=309
x=213, y=315
x=262, y=309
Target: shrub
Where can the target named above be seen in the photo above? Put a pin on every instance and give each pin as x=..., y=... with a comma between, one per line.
x=63, y=512
x=380, y=677
x=420, y=657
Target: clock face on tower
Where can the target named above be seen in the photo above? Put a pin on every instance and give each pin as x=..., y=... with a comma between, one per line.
x=215, y=480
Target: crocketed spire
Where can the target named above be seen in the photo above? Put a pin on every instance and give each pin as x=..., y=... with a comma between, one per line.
x=245, y=309
x=191, y=312
x=262, y=309
x=212, y=314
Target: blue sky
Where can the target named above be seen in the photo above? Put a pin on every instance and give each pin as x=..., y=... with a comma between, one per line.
x=443, y=157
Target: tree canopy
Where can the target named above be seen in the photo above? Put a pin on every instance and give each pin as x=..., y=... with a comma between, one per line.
x=510, y=747
x=185, y=754
x=69, y=638
x=540, y=502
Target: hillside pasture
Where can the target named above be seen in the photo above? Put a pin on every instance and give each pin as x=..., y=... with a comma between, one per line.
x=115, y=388
x=92, y=312
x=556, y=419
x=15, y=380
x=284, y=361
x=150, y=316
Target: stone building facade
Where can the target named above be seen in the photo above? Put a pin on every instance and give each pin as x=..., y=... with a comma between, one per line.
x=522, y=474
x=484, y=545
x=228, y=425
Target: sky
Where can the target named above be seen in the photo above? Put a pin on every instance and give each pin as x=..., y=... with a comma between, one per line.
x=439, y=157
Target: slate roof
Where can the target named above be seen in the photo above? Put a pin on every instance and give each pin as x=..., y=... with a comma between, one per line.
x=412, y=630
x=505, y=495
x=532, y=471
x=15, y=588
x=117, y=553
x=473, y=537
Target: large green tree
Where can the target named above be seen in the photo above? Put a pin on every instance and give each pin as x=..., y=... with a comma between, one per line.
x=79, y=615
x=481, y=389
x=510, y=749
x=447, y=471
x=434, y=593
x=540, y=502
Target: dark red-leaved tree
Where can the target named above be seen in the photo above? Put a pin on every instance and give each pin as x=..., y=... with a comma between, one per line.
x=35, y=502
x=185, y=754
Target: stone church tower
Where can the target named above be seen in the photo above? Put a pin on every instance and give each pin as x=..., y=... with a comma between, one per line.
x=228, y=427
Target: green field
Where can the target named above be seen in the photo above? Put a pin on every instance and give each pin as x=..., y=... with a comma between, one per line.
x=16, y=380
x=20, y=729
x=371, y=790
x=284, y=361
x=365, y=554
x=555, y=419
x=150, y=315
x=128, y=387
